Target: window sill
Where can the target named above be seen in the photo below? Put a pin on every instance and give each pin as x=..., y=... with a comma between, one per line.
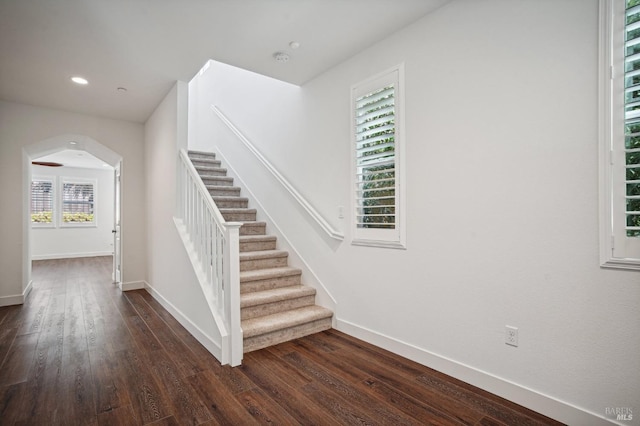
x=627, y=264
x=381, y=244
x=78, y=225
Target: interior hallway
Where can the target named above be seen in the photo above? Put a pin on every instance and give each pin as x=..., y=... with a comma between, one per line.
x=80, y=351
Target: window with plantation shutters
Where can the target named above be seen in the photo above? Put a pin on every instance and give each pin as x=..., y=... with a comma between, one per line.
x=632, y=117
x=620, y=133
x=377, y=212
x=78, y=203
x=42, y=201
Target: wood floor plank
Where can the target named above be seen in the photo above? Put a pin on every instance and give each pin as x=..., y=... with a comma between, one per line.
x=109, y=385
x=147, y=397
x=406, y=384
x=185, y=360
x=482, y=403
x=78, y=403
x=7, y=337
x=409, y=405
x=283, y=391
x=294, y=377
x=19, y=360
x=263, y=408
x=117, y=417
x=11, y=402
x=188, y=408
x=220, y=401
x=328, y=379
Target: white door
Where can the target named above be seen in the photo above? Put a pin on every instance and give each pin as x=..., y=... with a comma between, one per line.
x=117, y=246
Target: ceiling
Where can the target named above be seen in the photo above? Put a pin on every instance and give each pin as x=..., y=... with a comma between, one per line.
x=75, y=158
x=144, y=46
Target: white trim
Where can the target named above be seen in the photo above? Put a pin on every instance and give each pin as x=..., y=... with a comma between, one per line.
x=18, y=299
x=539, y=402
x=202, y=337
x=70, y=255
x=133, y=285
x=284, y=182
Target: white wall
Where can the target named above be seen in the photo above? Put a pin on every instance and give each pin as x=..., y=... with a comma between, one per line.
x=80, y=241
x=171, y=278
x=22, y=126
x=502, y=198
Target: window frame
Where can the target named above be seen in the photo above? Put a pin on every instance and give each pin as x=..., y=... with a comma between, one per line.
x=616, y=249
x=54, y=193
x=375, y=237
x=78, y=181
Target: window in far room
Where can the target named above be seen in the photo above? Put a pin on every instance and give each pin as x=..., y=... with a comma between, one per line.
x=78, y=205
x=42, y=201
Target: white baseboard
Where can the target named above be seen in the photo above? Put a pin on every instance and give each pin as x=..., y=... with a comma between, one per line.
x=17, y=299
x=133, y=285
x=514, y=392
x=70, y=255
x=202, y=337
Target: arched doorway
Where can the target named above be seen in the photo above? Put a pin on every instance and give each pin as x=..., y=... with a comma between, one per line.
x=79, y=143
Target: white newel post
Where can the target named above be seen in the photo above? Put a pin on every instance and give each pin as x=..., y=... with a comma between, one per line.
x=232, y=292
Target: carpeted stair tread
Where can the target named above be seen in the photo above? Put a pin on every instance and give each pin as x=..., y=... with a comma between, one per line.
x=236, y=210
x=275, y=295
x=222, y=199
x=248, y=238
x=263, y=254
x=196, y=153
x=269, y=323
x=261, y=274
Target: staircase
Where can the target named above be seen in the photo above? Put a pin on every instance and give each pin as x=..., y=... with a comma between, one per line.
x=274, y=306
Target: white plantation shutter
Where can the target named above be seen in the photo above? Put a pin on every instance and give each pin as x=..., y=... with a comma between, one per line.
x=376, y=129
x=632, y=118
x=78, y=202
x=620, y=133
x=42, y=201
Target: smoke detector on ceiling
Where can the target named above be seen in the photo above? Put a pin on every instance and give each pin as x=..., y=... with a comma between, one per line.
x=281, y=57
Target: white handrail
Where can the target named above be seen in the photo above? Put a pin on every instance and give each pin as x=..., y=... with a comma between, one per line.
x=216, y=245
x=295, y=194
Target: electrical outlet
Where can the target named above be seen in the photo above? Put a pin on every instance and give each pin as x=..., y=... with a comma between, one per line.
x=340, y=212
x=511, y=335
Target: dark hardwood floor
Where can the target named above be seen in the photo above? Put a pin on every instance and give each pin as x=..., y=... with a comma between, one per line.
x=80, y=352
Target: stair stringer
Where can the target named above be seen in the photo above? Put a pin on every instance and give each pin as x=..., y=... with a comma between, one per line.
x=221, y=355
x=310, y=278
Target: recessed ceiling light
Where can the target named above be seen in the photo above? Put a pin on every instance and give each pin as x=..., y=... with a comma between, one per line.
x=73, y=143
x=80, y=80
x=294, y=44
x=121, y=89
